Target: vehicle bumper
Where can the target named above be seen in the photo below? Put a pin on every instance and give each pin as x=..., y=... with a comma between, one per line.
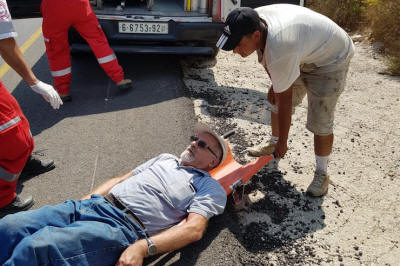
x=151, y=49
x=182, y=38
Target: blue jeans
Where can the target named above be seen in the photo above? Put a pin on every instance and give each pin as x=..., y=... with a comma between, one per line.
x=83, y=232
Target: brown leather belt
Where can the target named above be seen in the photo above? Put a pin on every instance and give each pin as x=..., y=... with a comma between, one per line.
x=119, y=205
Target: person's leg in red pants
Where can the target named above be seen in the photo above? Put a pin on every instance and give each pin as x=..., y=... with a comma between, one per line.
x=16, y=157
x=16, y=146
x=89, y=28
x=56, y=23
x=55, y=28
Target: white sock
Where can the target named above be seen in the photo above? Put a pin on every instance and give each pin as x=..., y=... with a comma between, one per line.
x=273, y=139
x=321, y=163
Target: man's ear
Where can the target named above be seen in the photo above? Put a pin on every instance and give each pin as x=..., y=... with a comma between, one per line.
x=213, y=163
x=256, y=36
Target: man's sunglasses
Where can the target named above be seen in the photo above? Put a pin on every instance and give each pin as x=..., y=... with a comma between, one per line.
x=202, y=144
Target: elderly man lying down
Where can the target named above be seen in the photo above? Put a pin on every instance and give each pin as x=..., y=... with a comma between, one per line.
x=127, y=218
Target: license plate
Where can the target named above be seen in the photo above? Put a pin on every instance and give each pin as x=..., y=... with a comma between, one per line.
x=143, y=27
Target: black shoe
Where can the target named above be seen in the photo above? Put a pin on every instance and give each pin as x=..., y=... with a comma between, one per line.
x=66, y=98
x=124, y=84
x=17, y=205
x=36, y=166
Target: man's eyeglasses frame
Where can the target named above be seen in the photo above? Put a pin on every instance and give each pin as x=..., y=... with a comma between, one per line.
x=202, y=144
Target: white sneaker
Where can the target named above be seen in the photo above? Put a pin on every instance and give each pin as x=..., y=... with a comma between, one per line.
x=261, y=151
x=319, y=185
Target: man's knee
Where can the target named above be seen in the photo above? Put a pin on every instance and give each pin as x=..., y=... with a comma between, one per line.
x=299, y=91
x=12, y=231
x=10, y=226
x=321, y=129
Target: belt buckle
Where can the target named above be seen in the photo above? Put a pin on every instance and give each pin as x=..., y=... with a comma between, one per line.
x=128, y=212
x=125, y=209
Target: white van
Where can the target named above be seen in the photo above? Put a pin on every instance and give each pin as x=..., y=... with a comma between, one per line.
x=155, y=26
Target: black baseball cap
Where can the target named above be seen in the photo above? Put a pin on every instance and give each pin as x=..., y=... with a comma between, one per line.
x=240, y=22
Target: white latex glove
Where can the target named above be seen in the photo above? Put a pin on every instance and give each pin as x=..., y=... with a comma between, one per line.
x=48, y=93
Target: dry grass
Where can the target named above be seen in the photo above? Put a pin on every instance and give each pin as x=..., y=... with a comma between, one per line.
x=349, y=14
x=381, y=17
x=384, y=18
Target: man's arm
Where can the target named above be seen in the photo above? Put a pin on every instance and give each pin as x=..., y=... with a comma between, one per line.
x=172, y=239
x=13, y=57
x=104, y=188
x=11, y=54
x=284, y=103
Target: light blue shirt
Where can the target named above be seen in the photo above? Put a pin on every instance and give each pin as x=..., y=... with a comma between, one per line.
x=161, y=192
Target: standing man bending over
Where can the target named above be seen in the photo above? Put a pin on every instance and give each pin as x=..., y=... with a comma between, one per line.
x=128, y=217
x=302, y=52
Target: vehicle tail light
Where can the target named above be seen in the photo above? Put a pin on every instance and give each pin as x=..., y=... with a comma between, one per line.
x=196, y=5
x=216, y=10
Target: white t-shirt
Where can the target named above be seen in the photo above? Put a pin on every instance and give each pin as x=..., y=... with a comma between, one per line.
x=299, y=36
x=6, y=26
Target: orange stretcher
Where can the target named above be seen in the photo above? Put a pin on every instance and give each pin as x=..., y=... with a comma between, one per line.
x=233, y=175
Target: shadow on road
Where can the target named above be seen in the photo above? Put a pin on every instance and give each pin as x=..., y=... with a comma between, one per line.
x=225, y=102
x=155, y=79
x=279, y=218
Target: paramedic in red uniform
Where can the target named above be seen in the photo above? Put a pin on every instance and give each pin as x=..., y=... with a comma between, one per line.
x=58, y=17
x=16, y=142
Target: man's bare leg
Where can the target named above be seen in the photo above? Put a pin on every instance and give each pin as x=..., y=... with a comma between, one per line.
x=323, y=145
x=274, y=124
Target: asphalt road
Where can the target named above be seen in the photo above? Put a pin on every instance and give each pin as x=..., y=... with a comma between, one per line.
x=102, y=132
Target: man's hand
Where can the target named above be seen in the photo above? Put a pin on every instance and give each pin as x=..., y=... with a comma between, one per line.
x=134, y=254
x=48, y=93
x=280, y=149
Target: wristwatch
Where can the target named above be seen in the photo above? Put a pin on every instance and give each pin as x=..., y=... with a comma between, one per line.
x=151, y=247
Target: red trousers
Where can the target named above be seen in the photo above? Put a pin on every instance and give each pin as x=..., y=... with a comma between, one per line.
x=16, y=144
x=58, y=17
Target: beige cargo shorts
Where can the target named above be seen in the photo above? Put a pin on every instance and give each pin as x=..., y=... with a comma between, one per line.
x=323, y=91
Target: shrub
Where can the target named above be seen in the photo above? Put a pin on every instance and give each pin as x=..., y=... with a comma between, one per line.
x=349, y=14
x=384, y=18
